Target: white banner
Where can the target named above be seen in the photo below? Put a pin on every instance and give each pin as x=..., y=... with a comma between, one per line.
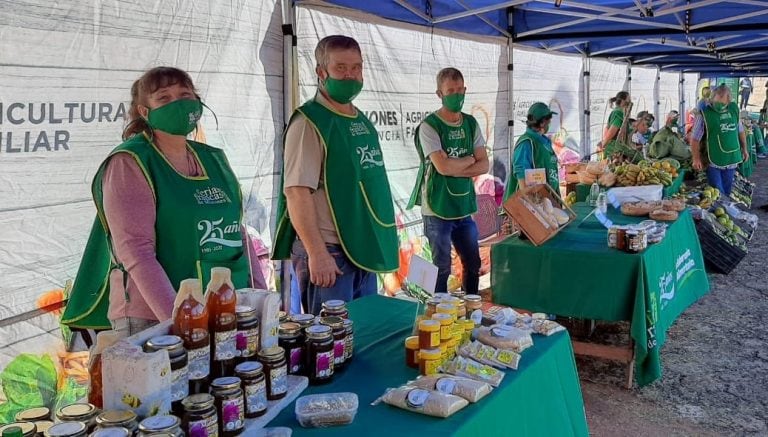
x=400, y=65
x=690, y=87
x=66, y=70
x=606, y=79
x=669, y=95
x=641, y=91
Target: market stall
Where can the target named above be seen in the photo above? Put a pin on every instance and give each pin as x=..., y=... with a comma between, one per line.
x=576, y=274
x=582, y=190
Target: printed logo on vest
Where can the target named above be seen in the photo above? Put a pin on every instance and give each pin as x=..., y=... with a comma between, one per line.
x=727, y=127
x=369, y=158
x=456, y=134
x=454, y=152
x=356, y=129
x=211, y=196
x=214, y=233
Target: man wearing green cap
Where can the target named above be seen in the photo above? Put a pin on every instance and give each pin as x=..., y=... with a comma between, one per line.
x=452, y=152
x=534, y=150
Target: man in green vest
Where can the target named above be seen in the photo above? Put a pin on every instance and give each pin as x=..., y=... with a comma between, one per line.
x=452, y=151
x=534, y=150
x=725, y=144
x=335, y=218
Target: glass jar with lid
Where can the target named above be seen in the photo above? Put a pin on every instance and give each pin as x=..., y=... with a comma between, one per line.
x=319, y=362
x=33, y=414
x=251, y=373
x=179, y=366
x=275, y=372
x=339, y=340
x=349, y=345
x=247, y=337
x=200, y=417
x=67, y=429
x=304, y=320
x=291, y=339
x=79, y=412
x=165, y=425
x=334, y=308
x=111, y=431
x=19, y=429
x=228, y=398
x=118, y=418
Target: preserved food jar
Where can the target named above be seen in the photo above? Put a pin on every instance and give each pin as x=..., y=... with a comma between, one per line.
x=79, y=412
x=200, y=418
x=251, y=373
x=67, y=429
x=166, y=425
x=222, y=321
x=431, y=307
x=412, y=352
x=33, y=414
x=473, y=302
x=334, y=308
x=111, y=431
x=229, y=405
x=291, y=339
x=447, y=308
x=339, y=340
x=118, y=419
x=247, y=337
x=19, y=429
x=275, y=372
x=429, y=361
x=349, y=345
x=446, y=325
x=179, y=367
x=190, y=322
x=429, y=334
x=304, y=320
x=319, y=362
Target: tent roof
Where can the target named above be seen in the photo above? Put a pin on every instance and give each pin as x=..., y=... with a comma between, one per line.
x=705, y=36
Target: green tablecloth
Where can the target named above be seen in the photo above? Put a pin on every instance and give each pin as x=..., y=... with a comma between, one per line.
x=542, y=397
x=575, y=274
x=582, y=190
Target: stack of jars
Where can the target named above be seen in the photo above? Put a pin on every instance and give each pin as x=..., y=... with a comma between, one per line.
x=444, y=327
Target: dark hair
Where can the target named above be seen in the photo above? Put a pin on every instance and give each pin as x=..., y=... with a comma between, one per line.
x=148, y=83
x=621, y=97
x=448, y=73
x=333, y=43
x=533, y=123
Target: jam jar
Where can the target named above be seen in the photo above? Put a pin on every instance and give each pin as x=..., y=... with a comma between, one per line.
x=22, y=429
x=33, y=415
x=339, y=340
x=304, y=320
x=111, y=431
x=166, y=425
x=275, y=372
x=247, y=337
x=282, y=316
x=67, y=429
x=319, y=362
x=251, y=373
x=349, y=344
x=334, y=308
x=179, y=367
x=80, y=412
x=200, y=418
x=229, y=405
x=291, y=339
x=118, y=418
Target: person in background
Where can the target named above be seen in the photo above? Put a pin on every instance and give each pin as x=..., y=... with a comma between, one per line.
x=534, y=150
x=721, y=132
x=706, y=95
x=619, y=103
x=638, y=137
x=335, y=215
x=452, y=151
x=168, y=209
x=745, y=89
x=690, y=118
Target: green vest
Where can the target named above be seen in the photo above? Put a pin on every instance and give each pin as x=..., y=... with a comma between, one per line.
x=448, y=197
x=543, y=157
x=357, y=189
x=197, y=227
x=723, y=144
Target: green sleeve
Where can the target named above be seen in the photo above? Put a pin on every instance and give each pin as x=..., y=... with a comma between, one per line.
x=616, y=119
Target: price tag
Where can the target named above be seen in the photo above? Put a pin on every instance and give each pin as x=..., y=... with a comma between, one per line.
x=601, y=217
x=535, y=176
x=613, y=200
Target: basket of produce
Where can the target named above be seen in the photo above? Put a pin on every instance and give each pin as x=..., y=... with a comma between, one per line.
x=721, y=253
x=539, y=212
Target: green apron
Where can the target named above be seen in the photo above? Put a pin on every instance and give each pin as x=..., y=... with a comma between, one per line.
x=747, y=167
x=197, y=227
x=448, y=197
x=723, y=145
x=544, y=156
x=356, y=187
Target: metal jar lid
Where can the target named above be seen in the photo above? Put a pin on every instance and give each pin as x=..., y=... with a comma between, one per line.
x=198, y=402
x=27, y=428
x=66, y=429
x=173, y=343
x=159, y=424
x=289, y=329
x=474, y=298
x=318, y=332
x=225, y=383
x=42, y=426
x=334, y=305
x=115, y=417
x=245, y=313
x=303, y=320
x=348, y=324
x=272, y=353
x=249, y=368
x=332, y=321
x=79, y=411
x=111, y=431
x=33, y=414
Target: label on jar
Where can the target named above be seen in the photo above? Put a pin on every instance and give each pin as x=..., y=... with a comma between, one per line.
x=446, y=331
x=256, y=397
x=445, y=385
x=208, y=427
x=247, y=342
x=431, y=366
x=232, y=415
x=295, y=360
x=338, y=351
x=225, y=345
x=324, y=364
x=180, y=383
x=199, y=362
x=348, y=346
x=279, y=380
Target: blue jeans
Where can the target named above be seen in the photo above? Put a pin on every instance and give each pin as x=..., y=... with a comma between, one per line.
x=721, y=179
x=463, y=234
x=351, y=284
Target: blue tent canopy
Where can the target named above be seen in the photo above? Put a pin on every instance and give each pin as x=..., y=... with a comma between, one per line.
x=699, y=36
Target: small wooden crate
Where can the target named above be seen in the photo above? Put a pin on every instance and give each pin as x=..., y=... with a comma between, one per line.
x=528, y=220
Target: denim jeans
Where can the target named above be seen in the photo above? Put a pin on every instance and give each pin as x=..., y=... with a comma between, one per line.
x=463, y=234
x=353, y=283
x=722, y=179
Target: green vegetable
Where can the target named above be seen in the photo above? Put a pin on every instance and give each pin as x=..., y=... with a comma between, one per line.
x=28, y=381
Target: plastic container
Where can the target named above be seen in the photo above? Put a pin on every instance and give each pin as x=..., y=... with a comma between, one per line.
x=429, y=334
x=327, y=409
x=446, y=325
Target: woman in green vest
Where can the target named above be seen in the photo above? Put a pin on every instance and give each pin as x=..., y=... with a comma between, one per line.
x=534, y=150
x=167, y=208
x=615, y=120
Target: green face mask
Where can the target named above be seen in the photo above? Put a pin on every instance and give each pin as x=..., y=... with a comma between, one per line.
x=179, y=117
x=718, y=106
x=342, y=90
x=453, y=102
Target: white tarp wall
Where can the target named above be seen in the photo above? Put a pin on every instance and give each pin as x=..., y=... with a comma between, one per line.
x=641, y=91
x=66, y=69
x=400, y=65
x=669, y=95
x=553, y=79
x=690, y=88
x=606, y=79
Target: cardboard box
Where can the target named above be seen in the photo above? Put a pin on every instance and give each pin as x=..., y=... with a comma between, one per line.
x=522, y=208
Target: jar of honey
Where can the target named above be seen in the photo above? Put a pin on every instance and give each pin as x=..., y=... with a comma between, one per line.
x=446, y=325
x=429, y=334
x=429, y=361
x=446, y=308
x=412, y=352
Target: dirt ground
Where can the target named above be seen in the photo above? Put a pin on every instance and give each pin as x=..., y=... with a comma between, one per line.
x=715, y=360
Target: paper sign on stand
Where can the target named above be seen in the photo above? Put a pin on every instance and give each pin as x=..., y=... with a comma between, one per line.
x=535, y=176
x=422, y=273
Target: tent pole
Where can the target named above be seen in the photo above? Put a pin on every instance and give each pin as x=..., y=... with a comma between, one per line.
x=586, y=142
x=289, y=103
x=656, y=99
x=681, y=111
x=511, y=103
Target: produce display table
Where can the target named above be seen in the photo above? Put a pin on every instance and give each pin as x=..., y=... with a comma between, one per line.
x=542, y=397
x=582, y=190
x=576, y=274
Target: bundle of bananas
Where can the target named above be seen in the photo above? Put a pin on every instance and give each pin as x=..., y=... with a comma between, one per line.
x=629, y=175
